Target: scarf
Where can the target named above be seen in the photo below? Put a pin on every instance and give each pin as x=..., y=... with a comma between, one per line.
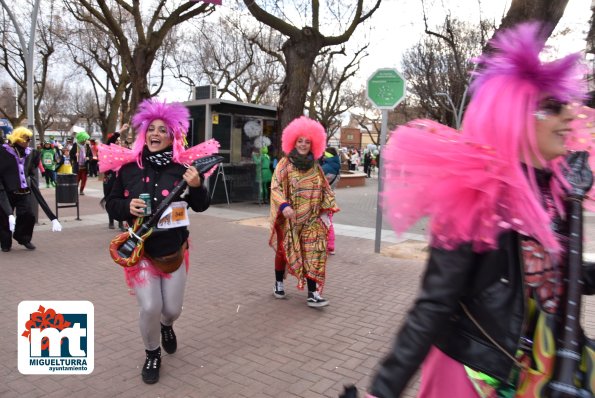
x=158, y=159
x=19, y=154
x=301, y=162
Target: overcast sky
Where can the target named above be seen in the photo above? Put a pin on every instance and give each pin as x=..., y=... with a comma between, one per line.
x=398, y=25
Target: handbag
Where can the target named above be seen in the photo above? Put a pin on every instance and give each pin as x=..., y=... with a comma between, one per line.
x=171, y=262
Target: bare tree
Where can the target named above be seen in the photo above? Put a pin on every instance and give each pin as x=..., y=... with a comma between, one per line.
x=329, y=96
x=137, y=34
x=547, y=11
x=437, y=67
x=304, y=43
x=222, y=53
x=52, y=107
x=12, y=59
x=97, y=58
x=368, y=117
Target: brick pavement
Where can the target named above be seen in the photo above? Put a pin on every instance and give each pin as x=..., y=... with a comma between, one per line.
x=235, y=339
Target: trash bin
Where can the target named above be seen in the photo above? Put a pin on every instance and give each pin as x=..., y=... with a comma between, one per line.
x=66, y=188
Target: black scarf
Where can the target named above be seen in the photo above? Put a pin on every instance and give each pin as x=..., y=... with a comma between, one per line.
x=301, y=162
x=158, y=159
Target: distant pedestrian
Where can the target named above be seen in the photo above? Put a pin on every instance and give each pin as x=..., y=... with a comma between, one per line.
x=261, y=159
x=93, y=168
x=48, y=160
x=80, y=154
x=367, y=162
x=301, y=201
x=331, y=166
x=64, y=166
x=18, y=182
x=109, y=176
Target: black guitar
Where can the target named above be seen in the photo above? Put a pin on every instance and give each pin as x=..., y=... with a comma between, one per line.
x=566, y=378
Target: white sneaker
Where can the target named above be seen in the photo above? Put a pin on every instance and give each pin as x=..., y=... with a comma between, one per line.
x=279, y=291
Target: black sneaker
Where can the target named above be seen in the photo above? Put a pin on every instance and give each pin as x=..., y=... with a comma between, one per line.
x=315, y=300
x=28, y=245
x=169, y=342
x=279, y=291
x=151, y=367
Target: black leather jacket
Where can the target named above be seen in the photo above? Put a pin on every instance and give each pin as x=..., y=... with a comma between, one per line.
x=490, y=285
x=131, y=181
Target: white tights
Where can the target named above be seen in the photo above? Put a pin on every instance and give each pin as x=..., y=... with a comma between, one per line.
x=160, y=301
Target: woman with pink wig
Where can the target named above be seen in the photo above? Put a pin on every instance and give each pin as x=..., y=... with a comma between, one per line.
x=494, y=194
x=301, y=201
x=154, y=166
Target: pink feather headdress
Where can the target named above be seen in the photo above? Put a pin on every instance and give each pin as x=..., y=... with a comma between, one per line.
x=174, y=115
x=471, y=183
x=304, y=127
x=516, y=54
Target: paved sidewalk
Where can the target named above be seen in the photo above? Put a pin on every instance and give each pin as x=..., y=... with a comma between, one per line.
x=235, y=338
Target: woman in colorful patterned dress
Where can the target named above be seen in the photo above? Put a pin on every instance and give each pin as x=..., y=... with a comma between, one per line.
x=301, y=201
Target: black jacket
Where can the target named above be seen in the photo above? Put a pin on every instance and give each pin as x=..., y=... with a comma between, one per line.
x=131, y=181
x=74, y=156
x=9, y=171
x=490, y=285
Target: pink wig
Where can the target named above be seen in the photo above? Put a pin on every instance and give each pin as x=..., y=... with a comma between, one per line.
x=174, y=115
x=506, y=93
x=308, y=128
x=516, y=56
x=472, y=184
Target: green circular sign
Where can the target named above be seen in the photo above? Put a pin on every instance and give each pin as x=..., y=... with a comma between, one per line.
x=386, y=88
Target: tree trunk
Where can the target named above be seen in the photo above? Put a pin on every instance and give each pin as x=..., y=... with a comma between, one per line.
x=547, y=11
x=300, y=53
x=143, y=59
x=591, y=35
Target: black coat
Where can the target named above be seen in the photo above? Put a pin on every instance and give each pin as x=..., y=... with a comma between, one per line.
x=131, y=181
x=74, y=156
x=9, y=172
x=491, y=286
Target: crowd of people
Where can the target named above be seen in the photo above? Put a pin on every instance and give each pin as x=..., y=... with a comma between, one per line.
x=496, y=281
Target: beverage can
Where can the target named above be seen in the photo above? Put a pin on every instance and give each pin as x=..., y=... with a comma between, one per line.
x=147, y=199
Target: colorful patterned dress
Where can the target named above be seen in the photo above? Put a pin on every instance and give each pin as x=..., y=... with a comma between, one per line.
x=301, y=242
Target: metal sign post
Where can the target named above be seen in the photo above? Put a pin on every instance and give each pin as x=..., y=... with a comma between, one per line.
x=386, y=88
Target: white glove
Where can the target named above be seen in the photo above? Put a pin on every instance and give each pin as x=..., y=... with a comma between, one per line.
x=11, y=222
x=56, y=226
x=325, y=219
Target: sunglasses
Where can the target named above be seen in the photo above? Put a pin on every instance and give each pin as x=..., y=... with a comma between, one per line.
x=552, y=106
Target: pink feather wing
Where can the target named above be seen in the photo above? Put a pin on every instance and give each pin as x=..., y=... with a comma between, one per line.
x=201, y=150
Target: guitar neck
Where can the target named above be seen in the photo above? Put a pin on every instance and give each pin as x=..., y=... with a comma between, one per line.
x=568, y=353
x=165, y=203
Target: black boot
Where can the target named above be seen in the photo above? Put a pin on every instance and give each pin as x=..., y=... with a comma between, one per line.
x=151, y=367
x=169, y=342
